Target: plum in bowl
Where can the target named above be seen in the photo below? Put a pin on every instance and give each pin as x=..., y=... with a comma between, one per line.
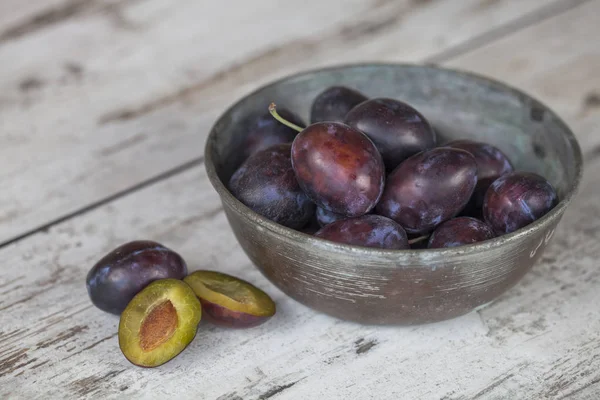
x=404, y=286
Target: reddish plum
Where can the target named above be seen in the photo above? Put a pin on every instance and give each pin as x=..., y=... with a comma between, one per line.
x=338, y=167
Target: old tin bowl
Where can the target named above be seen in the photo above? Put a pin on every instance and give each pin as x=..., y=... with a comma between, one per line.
x=403, y=286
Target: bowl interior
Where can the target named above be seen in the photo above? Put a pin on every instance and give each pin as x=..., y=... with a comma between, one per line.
x=458, y=105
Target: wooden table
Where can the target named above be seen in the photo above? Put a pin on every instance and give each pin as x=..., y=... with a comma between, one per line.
x=104, y=109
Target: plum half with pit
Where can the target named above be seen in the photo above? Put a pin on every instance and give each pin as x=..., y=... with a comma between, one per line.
x=159, y=323
x=397, y=129
x=262, y=131
x=121, y=274
x=491, y=164
x=460, y=231
x=266, y=183
x=333, y=104
x=338, y=167
x=429, y=188
x=516, y=199
x=367, y=231
x=229, y=301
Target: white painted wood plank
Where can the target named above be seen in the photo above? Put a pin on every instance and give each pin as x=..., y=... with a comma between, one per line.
x=54, y=344
x=16, y=12
x=71, y=93
x=21, y=18
x=562, y=71
x=540, y=340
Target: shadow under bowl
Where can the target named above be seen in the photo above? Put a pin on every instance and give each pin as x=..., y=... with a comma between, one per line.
x=373, y=286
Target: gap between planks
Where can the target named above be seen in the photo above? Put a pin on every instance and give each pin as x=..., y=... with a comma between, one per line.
x=196, y=162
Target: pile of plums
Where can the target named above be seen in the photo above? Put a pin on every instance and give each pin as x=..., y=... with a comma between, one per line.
x=369, y=172
x=160, y=304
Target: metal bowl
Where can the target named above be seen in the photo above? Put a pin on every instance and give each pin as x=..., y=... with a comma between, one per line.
x=403, y=286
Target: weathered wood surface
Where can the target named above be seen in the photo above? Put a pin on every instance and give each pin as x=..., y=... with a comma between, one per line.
x=76, y=77
x=20, y=17
x=539, y=341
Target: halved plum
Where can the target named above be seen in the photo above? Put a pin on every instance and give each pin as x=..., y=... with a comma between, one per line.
x=229, y=301
x=159, y=323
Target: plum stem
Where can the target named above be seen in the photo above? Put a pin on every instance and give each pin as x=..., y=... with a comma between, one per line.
x=273, y=111
x=418, y=239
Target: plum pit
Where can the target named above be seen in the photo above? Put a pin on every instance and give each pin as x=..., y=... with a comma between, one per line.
x=158, y=326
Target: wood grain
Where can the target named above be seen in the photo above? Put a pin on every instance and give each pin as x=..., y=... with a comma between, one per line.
x=15, y=13
x=25, y=18
x=541, y=340
x=89, y=77
x=70, y=348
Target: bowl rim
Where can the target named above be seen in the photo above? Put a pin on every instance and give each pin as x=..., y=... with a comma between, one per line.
x=296, y=236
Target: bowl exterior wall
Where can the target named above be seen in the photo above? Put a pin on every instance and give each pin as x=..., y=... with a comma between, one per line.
x=378, y=289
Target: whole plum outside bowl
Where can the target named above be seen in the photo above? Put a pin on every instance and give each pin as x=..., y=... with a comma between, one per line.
x=403, y=287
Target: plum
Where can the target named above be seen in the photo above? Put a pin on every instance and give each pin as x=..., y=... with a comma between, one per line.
x=460, y=231
x=159, y=323
x=429, y=188
x=338, y=167
x=367, y=231
x=229, y=301
x=491, y=164
x=516, y=199
x=121, y=274
x=397, y=129
x=266, y=183
x=262, y=131
x=333, y=104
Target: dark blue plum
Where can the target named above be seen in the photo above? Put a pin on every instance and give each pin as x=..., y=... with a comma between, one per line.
x=334, y=103
x=491, y=164
x=428, y=189
x=397, y=129
x=515, y=200
x=263, y=131
x=266, y=183
x=367, y=231
x=124, y=272
x=460, y=231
